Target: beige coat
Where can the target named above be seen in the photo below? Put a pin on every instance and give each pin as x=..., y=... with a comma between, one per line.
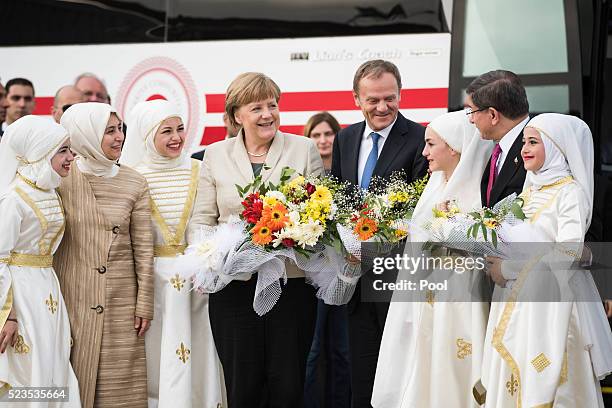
x=226, y=164
x=105, y=268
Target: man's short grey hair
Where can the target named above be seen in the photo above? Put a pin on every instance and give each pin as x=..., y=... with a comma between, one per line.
x=89, y=75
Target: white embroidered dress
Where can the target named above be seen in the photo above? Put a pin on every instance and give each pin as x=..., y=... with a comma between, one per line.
x=32, y=225
x=182, y=364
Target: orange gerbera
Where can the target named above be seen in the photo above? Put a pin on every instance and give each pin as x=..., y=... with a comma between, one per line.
x=262, y=233
x=276, y=216
x=365, y=228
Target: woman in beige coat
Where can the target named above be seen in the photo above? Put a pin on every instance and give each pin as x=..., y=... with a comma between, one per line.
x=105, y=262
x=263, y=358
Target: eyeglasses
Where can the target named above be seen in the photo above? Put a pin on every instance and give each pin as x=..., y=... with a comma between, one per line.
x=65, y=107
x=468, y=111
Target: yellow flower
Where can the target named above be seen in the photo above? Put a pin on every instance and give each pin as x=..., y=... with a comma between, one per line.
x=399, y=197
x=492, y=224
x=400, y=233
x=296, y=182
x=322, y=194
x=439, y=213
x=269, y=201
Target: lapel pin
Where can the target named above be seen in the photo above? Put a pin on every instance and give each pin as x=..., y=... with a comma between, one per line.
x=516, y=160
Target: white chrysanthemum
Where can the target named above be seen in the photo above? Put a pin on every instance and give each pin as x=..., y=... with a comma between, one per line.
x=294, y=217
x=280, y=235
x=310, y=233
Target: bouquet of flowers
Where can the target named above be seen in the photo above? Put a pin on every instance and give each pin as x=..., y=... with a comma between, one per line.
x=291, y=221
x=478, y=231
x=294, y=214
x=383, y=215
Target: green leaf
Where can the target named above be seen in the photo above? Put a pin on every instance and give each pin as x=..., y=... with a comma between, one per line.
x=475, y=230
x=484, y=231
x=494, y=238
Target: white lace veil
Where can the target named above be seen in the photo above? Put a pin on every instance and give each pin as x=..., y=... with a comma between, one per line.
x=143, y=122
x=27, y=147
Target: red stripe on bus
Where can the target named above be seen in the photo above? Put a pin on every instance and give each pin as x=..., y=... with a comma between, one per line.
x=43, y=105
x=341, y=100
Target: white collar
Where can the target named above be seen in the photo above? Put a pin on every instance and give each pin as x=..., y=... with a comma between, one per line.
x=383, y=132
x=507, y=141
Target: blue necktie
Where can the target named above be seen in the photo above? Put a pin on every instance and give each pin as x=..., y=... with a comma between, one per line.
x=371, y=162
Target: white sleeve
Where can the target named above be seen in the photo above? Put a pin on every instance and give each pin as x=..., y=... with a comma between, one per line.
x=10, y=225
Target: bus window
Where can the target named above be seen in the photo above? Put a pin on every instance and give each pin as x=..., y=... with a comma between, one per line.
x=523, y=36
x=538, y=40
x=247, y=19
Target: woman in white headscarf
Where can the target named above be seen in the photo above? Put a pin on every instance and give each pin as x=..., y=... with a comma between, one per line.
x=105, y=262
x=182, y=363
x=35, y=332
x=431, y=349
x=550, y=353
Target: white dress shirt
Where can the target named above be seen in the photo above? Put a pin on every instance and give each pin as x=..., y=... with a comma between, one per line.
x=366, y=146
x=507, y=141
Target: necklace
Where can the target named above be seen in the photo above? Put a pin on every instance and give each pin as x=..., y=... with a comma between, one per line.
x=258, y=155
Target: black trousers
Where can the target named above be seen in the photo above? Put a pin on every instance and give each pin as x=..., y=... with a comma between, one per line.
x=366, y=325
x=264, y=358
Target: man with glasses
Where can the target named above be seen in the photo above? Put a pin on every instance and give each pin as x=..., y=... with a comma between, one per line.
x=497, y=105
x=65, y=97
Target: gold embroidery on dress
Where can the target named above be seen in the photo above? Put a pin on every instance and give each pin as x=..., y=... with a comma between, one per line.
x=512, y=385
x=177, y=282
x=45, y=249
x=20, y=346
x=430, y=297
x=30, y=182
x=464, y=348
x=563, y=376
x=540, y=362
x=177, y=238
x=183, y=353
x=51, y=304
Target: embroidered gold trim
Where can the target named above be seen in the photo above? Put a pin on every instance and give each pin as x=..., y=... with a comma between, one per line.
x=564, y=373
x=168, y=251
x=540, y=362
x=178, y=237
x=177, y=282
x=430, y=297
x=183, y=353
x=165, y=171
x=30, y=182
x=464, y=348
x=20, y=346
x=547, y=405
x=31, y=260
x=479, y=392
x=500, y=331
x=4, y=389
x=51, y=304
x=41, y=217
x=513, y=385
x=6, y=308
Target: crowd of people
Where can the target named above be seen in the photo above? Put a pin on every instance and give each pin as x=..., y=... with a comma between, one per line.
x=92, y=297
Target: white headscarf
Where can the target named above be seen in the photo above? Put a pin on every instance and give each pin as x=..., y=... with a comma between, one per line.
x=464, y=184
x=86, y=124
x=143, y=122
x=568, y=145
x=27, y=147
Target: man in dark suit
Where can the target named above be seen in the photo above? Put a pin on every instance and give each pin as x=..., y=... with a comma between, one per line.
x=497, y=105
x=385, y=142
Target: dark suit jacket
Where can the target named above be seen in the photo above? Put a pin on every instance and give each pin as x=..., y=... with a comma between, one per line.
x=402, y=150
x=511, y=177
x=199, y=155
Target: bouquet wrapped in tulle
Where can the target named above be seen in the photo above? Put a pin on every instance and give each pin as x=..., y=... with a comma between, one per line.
x=281, y=226
x=383, y=214
x=481, y=231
